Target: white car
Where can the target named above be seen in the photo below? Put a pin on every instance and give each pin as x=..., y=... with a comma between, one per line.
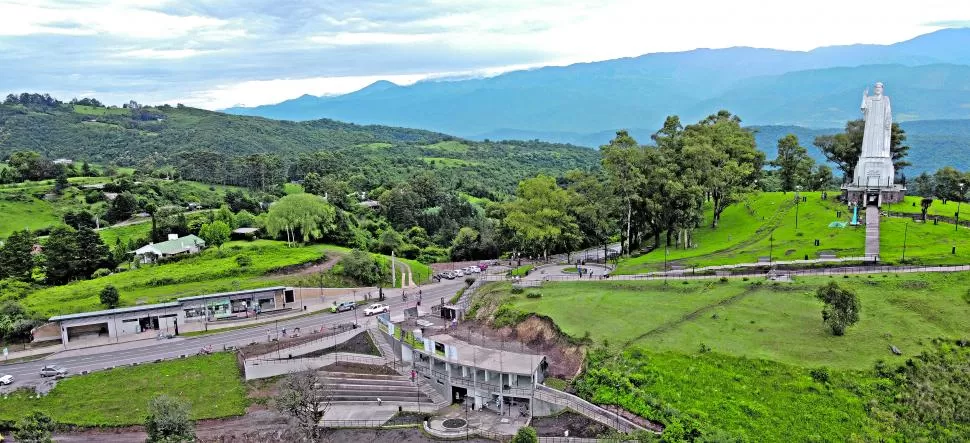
x=6, y=379
x=459, y=273
x=376, y=308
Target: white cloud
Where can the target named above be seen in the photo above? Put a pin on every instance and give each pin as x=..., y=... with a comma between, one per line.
x=111, y=18
x=370, y=38
x=162, y=54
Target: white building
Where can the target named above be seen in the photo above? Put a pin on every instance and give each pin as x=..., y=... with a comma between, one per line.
x=175, y=245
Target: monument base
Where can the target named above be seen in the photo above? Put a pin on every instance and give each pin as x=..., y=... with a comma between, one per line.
x=873, y=195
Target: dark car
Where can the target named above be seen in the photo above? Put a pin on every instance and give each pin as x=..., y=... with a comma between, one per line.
x=345, y=306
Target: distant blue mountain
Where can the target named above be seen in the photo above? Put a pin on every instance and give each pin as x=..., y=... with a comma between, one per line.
x=928, y=78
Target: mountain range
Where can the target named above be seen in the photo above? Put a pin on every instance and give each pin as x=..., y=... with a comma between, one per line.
x=928, y=78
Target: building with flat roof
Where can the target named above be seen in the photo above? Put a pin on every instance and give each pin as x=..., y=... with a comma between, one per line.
x=498, y=380
x=147, y=321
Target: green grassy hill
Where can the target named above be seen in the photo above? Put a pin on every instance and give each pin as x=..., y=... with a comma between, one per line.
x=752, y=359
x=378, y=153
x=763, y=225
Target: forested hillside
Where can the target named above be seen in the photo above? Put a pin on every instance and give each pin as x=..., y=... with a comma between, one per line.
x=260, y=153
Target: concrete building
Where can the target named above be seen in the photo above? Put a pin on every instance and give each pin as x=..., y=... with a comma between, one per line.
x=497, y=380
x=148, y=321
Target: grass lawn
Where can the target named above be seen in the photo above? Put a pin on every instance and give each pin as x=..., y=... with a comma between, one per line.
x=911, y=205
x=138, y=230
x=522, y=271
x=752, y=400
x=25, y=211
x=211, y=384
x=292, y=188
x=926, y=243
x=781, y=323
x=745, y=231
x=94, y=110
x=211, y=271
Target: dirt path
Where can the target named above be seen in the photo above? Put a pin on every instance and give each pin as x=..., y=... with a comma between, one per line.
x=690, y=316
x=319, y=267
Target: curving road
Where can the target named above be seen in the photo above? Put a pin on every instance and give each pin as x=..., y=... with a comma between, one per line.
x=95, y=359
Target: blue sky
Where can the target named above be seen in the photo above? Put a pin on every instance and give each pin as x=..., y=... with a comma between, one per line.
x=216, y=54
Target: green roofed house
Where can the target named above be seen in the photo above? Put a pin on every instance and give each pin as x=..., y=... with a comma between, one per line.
x=175, y=245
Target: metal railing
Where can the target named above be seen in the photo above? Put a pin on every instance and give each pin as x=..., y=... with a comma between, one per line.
x=604, y=416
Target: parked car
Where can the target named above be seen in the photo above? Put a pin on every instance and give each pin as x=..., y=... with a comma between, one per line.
x=459, y=273
x=450, y=275
x=52, y=371
x=376, y=308
x=345, y=306
x=6, y=379
x=483, y=266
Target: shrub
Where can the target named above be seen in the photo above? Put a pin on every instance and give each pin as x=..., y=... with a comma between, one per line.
x=820, y=375
x=517, y=290
x=109, y=296
x=745, y=279
x=244, y=261
x=725, y=279
x=526, y=435
x=168, y=421
x=469, y=281
x=34, y=428
x=533, y=294
x=101, y=272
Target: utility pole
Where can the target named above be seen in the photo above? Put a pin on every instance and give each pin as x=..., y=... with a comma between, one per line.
x=798, y=200
x=393, y=272
x=956, y=223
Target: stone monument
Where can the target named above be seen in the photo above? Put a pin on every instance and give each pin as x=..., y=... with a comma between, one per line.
x=874, y=178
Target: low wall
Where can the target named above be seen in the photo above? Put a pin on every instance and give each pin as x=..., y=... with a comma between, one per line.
x=256, y=369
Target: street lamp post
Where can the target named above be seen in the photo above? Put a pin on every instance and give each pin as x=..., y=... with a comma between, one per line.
x=957, y=221
x=355, y=309
x=771, y=248
x=665, y=265
x=798, y=200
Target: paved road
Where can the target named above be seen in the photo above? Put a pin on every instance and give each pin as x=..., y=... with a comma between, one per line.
x=872, y=232
x=26, y=373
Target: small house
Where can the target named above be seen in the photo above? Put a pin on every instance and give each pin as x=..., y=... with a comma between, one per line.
x=175, y=245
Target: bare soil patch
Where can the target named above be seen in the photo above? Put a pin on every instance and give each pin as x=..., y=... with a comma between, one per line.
x=359, y=368
x=578, y=426
x=359, y=344
x=534, y=335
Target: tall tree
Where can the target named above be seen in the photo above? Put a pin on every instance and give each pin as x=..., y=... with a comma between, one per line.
x=307, y=214
x=621, y=158
x=60, y=255
x=793, y=163
x=16, y=260
x=539, y=219
x=215, y=233
x=841, y=307
x=110, y=297
x=724, y=159
x=465, y=244
x=92, y=253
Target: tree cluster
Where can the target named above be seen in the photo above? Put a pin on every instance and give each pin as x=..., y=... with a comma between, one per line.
x=845, y=148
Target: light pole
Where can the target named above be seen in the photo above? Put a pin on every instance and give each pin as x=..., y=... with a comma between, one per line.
x=771, y=247
x=798, y=200
x=957, y=221
x=355, y=309
x=665, y=265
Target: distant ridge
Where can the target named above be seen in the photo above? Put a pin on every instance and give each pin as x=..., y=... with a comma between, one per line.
x=927, y=76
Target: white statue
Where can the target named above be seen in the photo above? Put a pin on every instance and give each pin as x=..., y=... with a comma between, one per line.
x=875, y=167
x=879, y=122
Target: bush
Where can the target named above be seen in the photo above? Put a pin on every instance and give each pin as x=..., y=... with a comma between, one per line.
x=725, y=279
x=469, y=281
x=526, y=435
x=244, y=261
x=101, y=272
x=168, y=421
x=533, y=294
x=110, y=297
x=34, y=428
x=517, y=290
x=820, y=375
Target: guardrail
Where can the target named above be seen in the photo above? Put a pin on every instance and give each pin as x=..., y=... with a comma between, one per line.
x=606, y=417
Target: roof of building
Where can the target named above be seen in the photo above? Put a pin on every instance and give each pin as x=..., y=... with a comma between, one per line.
x=114, y=311
x=490, y=359
x=176, y=246
x=226, y=294
x=245, y=231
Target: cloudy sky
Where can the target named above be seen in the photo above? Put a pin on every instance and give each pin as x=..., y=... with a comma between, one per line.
x=216, y=54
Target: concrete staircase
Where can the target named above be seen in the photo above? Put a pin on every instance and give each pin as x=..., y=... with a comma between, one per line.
x=383, y=344
x=367, y=388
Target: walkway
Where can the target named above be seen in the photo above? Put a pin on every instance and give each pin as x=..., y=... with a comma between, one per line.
x=872, y=233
